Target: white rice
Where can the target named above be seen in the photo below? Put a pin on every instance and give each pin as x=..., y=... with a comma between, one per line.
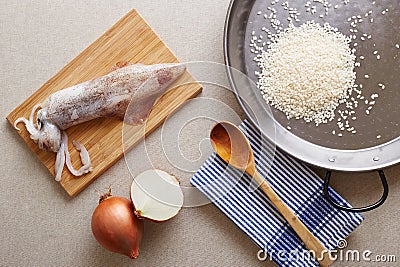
x=307, y=71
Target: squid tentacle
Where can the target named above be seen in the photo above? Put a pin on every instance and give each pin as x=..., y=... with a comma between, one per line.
x=60, y=162
x=32, y=115
x=30, y=126
x=84, y=155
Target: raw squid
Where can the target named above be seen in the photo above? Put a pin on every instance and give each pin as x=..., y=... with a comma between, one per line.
x=136, y=85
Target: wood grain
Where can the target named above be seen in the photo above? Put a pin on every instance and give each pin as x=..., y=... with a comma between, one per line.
x=130, y=39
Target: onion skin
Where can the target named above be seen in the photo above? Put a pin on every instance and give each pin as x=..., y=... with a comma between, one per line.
x=115, y=226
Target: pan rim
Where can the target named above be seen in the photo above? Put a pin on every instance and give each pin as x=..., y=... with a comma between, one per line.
x=365, y=159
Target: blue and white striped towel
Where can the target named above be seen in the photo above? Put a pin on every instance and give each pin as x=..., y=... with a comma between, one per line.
x=251, y=210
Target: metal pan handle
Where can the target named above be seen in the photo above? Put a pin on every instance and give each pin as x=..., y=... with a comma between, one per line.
x=362, y=209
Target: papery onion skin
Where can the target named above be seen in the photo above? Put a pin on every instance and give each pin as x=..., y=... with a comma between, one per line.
x=115, y=226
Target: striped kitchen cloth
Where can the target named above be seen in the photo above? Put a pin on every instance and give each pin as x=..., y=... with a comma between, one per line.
x=235, y=194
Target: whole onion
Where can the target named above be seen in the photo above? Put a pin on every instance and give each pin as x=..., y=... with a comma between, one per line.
x=115, y=226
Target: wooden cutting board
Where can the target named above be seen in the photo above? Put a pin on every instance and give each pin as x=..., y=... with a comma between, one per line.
x=130, y=39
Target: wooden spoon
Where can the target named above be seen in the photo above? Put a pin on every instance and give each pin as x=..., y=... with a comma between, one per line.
x=234, y=148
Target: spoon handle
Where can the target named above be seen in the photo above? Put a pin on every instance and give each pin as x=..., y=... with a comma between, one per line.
x=311, y=242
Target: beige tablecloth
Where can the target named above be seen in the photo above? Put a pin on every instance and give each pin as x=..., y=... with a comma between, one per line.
x=42, y=226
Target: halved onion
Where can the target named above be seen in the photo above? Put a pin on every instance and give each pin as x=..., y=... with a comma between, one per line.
x=156, y=195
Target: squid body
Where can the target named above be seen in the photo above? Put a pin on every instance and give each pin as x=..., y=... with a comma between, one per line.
x=136, y=85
